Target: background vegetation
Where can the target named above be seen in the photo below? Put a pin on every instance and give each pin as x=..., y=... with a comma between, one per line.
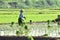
x=30, y=4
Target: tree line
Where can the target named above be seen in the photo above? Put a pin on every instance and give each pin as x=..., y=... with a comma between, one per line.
x=30, y=4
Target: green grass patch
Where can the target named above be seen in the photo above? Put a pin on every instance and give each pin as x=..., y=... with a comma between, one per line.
x=9, y=15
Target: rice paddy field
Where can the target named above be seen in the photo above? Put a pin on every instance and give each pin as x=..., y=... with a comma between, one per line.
x=35, y=29
x=36, y=15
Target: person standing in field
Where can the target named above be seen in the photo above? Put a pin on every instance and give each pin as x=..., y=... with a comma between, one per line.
x=20, y=19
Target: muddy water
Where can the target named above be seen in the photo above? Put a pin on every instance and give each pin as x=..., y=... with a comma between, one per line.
x=35, y=29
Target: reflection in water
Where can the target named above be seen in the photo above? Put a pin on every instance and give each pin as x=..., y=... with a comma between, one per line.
x=35, y=29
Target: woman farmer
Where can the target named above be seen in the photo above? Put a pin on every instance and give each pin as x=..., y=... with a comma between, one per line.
x=20, y=17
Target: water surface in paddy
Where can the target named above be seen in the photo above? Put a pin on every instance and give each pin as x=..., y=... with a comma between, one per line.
x=35, y=29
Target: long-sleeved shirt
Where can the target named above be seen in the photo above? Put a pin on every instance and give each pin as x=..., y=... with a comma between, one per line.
x=21, y=15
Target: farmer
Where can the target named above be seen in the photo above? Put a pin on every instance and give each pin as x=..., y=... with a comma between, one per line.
x=20, y=17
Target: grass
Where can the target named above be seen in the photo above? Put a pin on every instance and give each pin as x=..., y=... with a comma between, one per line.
x=9, y=15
